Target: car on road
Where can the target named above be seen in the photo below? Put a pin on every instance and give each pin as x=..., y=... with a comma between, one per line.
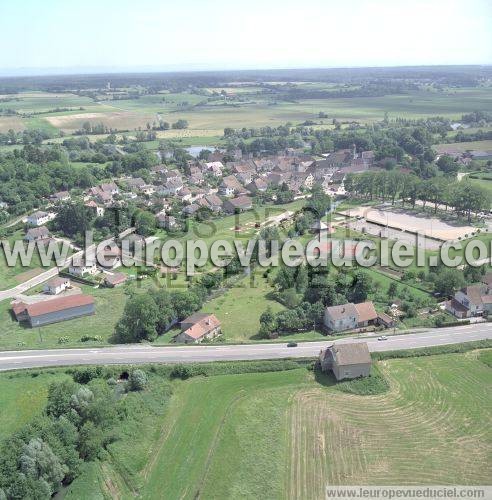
x=292, y=344
x=383, y=337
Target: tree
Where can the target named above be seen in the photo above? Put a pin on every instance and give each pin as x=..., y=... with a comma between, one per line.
x=392, y=290
x=144, y=223
x=268, y=323
x=59, y=395
x=447, y=165
x=362, y=287
x=448, y=281
x=139, y=321
x=74, y=218
x=38, y=462
x=319, y=203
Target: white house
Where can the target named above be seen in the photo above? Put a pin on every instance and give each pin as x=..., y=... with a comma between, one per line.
x=83, y=270
x=56, y=285
x=40, y=218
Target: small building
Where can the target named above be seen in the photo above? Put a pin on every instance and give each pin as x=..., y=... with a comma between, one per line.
x=54, y=310
x=60, y=196
x=82, y=270
x=115, y=279
x=37, y=234
x=56, y=285
x=197, y=327
x=347, y=360
x=239, y=204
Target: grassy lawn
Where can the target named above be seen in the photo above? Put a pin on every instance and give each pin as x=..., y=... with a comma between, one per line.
x=109, y=307
x=22, y=396
x=240, y=308
x=12, y=276
x=279, y=434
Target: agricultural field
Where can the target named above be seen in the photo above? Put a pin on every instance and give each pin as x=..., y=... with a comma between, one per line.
x=256, y=107
x=460, y=147
x=194, y=437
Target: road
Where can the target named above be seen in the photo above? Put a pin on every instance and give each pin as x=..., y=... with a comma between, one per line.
x=134, y=354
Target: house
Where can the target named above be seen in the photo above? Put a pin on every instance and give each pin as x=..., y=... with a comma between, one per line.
x=171, y=187
x=184, y=194
x=212, y=202
x=115, y=279
x=56, y=285
x=350, y=316
x=191, y=209
x=109, y=258
x=60, y=196
x=135, y=184
x=230, y=186
x=473, y=300
x=197, y=327
x=257, y=186
x=215, y=167
x=166, y=221
x=99, y=211
x=347, y=360
x=239, y=204
x=82, y=270
x=37, y=234
x=54, y=310
x=110, y=188
x=39, y=218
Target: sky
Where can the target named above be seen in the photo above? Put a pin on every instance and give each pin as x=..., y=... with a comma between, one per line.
x=52, y=36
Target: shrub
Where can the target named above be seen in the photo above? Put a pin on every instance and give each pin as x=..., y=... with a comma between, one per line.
x=85, y=375
x=137, y=381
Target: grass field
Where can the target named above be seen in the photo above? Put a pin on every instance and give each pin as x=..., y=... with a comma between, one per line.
x=288, y=434
x=464, y=146
x=109, y=307
x=255, y=109
x=22, y=397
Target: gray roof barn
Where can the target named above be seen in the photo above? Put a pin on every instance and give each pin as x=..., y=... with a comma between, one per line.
x=347, y=360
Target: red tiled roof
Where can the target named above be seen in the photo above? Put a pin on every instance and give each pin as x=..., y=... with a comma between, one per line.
x=202, y=327
x=59, y=304
x=366, y=311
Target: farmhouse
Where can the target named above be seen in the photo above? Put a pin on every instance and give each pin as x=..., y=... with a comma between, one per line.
x=239, y=204
x=114, y=280
x=60, y=196
x=471, y=300
x=230, y=186
x=197, y=327
x=37, y=234
x=82, y=270
x=56, y=285
x=54, y=310
x=350, y=316
x=350, y=360
x=39, y=218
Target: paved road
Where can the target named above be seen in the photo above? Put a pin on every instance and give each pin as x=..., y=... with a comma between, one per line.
x=150, y=354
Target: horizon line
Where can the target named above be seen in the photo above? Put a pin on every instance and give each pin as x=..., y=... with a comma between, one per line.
x=28, y=72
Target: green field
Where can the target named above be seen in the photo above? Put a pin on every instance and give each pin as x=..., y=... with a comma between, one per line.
x=256, y=108
x=109, y=307
x=288, y=434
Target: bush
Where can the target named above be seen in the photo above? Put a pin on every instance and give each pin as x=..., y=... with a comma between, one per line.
x=137, y=381
x=85, y=375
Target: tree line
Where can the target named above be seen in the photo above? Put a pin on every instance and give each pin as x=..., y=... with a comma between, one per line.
x=466, y=198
